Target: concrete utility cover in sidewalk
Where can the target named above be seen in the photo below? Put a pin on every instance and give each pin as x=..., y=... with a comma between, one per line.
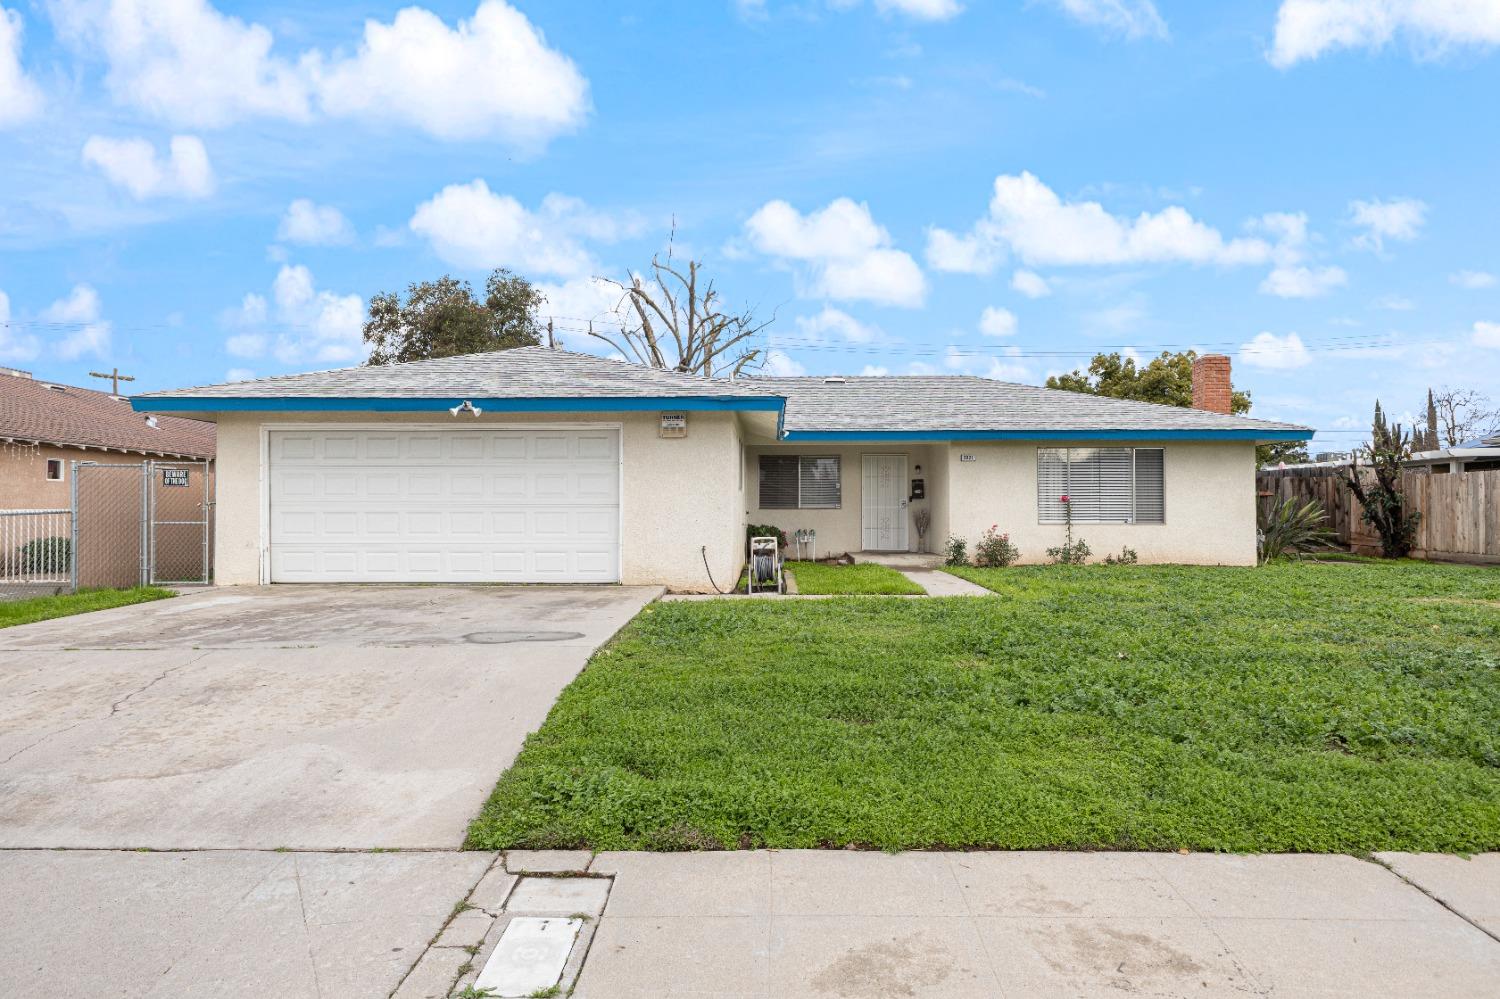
x=530, y=956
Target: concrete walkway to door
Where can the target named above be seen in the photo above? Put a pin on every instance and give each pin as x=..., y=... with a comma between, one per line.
x=926, y=571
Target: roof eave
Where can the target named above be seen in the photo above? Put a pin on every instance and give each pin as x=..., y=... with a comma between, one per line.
x=429, y=404
x=1252, y=435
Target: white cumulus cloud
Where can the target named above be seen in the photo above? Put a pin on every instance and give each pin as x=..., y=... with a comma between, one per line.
x=1399, y=219
x=1131, y=18
x=134, y=164
x=1276, y=353
x=20, y=97
x=78, y=318
x=1487, y=335
x=1030, y=283
x=490, y=76
x=779, y=364
x=923, y=10
x=314, y=225
x=185, y=61
x=1030, y=220
x=1306, y=29
x=997, y=322
x=15, y=346
x=835, y=325
x=469, y=225
x=1303, y=282
x=323, y=326
x=299, y=322
x=846, y=255
x=1472, y=280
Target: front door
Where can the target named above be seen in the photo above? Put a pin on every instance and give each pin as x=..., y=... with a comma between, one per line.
x=883, y=503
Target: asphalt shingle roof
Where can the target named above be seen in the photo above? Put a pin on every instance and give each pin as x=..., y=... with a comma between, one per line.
x=80, y=417
x=964, y=402
x=952, y=403
x=522, y=373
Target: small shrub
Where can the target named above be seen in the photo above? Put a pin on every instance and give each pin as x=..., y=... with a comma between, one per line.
x=958, y=551
x=765, y=531
x=995, y=550
x=1127, y=556
x=47, y=555
x=1288, y=527
x=1071, y=553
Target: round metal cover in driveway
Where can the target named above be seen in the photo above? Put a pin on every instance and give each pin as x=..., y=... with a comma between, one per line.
x=507, y=637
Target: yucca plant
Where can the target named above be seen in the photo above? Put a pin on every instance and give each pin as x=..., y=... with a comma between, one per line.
x=1287, y=527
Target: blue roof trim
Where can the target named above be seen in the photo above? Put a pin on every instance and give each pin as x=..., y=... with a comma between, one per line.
x=1048, y=435
x=325, y=404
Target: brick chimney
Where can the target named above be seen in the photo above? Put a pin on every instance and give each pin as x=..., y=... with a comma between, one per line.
x=1211, y=383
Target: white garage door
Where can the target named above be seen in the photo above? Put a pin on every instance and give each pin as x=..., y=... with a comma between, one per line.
x=505, y=506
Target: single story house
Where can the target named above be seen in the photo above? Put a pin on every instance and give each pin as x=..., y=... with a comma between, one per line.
x=540, y=465
x=46, y=426
x=1479, y=455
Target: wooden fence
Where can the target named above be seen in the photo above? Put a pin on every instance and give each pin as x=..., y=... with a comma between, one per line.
x=1460, y=513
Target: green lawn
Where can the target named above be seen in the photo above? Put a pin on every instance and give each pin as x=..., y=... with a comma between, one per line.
x=1313, y=707
x=862, y=578
x=13, y=612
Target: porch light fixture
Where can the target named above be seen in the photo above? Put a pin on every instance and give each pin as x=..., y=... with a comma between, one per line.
x=465, y=407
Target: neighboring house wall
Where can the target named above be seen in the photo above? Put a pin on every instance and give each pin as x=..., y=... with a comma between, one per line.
x=678, y=495
x=110, y=508
x=23, y=474
x=841, y=530
x=1209, y=492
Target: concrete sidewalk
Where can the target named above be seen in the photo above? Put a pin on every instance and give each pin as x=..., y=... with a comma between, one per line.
x=852, y=925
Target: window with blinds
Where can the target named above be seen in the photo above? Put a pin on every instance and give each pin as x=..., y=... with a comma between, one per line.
x=1105, y=485
x=800, y=482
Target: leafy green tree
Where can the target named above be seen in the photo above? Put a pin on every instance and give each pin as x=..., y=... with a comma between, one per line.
x=1166, y=379
x=443, y=318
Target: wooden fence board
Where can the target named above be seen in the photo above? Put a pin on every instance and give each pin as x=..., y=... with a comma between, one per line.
x=1460, y=513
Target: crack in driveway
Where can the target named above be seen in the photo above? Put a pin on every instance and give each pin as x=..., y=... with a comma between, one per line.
x=114, y=709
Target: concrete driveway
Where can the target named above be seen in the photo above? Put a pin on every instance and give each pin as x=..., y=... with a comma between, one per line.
x=308, y=718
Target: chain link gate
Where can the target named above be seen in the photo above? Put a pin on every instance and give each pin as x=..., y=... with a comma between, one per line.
x=142, y=523
x=179, y=521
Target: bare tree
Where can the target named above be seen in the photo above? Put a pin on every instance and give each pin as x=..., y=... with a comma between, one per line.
x=677, y=320
x=1460, y=415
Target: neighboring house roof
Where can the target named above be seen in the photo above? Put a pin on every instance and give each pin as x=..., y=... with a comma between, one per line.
x=953, y=405
x=38, y=412
x=539, y=379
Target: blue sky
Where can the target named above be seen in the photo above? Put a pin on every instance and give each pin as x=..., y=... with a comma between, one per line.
x=197, y=192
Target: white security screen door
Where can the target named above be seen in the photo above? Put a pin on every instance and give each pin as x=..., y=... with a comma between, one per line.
x=472, y=505
x=883, y=502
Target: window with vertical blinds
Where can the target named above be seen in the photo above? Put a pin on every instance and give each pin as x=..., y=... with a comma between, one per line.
x=799, y=482
x=1105, y=485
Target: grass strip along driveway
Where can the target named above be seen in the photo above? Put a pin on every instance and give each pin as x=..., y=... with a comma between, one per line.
x=15, y=612
x=1288, y=708
x=861, y=578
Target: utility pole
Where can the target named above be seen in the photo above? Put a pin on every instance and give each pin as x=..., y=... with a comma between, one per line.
x=115, y=378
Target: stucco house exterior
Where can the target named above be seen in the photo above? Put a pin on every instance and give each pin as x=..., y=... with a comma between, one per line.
x=539, y=465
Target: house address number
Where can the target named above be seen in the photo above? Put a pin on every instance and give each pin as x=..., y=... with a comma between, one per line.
x=968, y=457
